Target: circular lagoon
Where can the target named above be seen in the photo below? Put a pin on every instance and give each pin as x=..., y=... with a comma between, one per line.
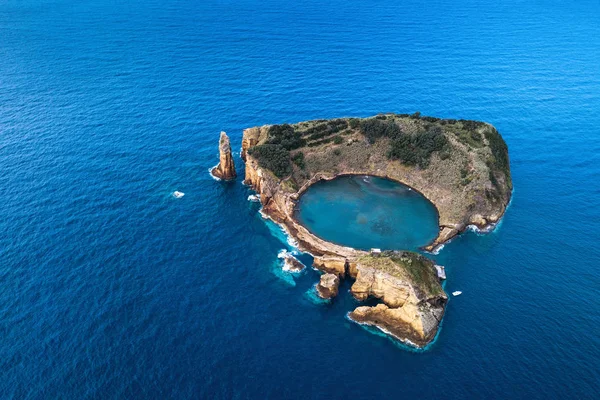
x=368, y=212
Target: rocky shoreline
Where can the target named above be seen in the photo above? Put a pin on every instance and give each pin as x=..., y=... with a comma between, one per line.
x=466, y=188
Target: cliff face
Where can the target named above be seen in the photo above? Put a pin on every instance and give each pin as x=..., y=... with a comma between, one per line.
x=411, y=311
x=226, y=168
x=467, y=178
x=251, y=137
x=461, y=167
x=327, y=287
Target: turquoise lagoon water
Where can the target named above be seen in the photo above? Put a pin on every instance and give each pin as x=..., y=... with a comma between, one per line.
x=110, y=288
x=368, y=212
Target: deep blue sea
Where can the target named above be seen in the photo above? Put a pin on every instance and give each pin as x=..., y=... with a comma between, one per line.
x=112, y=288
x=368, y=212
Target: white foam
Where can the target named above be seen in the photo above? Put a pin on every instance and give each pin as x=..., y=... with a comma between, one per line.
x=211, y=174
x=482, y=231
x=283, y=276
x=437, y=249
x=313, y=297
x=177, y=194
x=253, y=198
x=291, y=241
x=289, y=270
x=387, y=334
x=283, y=253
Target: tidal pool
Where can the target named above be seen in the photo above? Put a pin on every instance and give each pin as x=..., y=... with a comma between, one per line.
x=367, y=212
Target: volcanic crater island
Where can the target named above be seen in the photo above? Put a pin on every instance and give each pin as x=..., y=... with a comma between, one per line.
x=460, y=166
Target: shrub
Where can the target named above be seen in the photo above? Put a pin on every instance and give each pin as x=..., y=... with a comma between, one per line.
x=337, y=152
x=354, y=123
x=471, y=125
x=499, y=150
x=430, y=119
x=374, y=129
x=298, y=159
x=338, y=140
x=326, y=129
x=286, y=136
x=273, y=157
x=417, y=149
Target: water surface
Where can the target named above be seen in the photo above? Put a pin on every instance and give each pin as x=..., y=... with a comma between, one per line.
x=368, y=212
x=111, y=288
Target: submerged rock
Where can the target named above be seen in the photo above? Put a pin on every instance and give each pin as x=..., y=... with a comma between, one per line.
x=291, y=263
x=226, y=168
x=328, y=285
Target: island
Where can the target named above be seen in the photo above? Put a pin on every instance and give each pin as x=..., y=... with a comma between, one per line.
x=225, y=169
x=461, y=166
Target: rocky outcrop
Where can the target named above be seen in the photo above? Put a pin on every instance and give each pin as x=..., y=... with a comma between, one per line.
x=445, y=235
x=371, y=282
x=226, y=168
x=411, y=311
x=251, y=137
x=414, y=324
x=291, y=263
x=328, y=285
x=469, y=184
x=331, y=265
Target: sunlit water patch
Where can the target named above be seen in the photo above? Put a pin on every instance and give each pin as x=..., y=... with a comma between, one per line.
x=368, y=212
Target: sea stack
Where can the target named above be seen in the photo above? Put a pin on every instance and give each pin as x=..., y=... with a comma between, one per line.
x=226, y=168
x=327, y=287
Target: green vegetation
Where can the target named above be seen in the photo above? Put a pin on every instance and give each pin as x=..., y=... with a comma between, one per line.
x=325, y=129
x=354, y=123
x=499, y=150
x=420, y=270
x=407, y=265
x=298, y=159
x=286, y=136
x=273, y=157
x=411, y=139
x=416, y=149
x=375, y=128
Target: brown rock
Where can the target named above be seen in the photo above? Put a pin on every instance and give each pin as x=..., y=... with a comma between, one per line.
x=415, y=323
x=331, y=265
x=410, y=312
x=327, y=287
x=226, y=168
x=446, y=233
x=291, y=263
x=371, y=282
x=249, y=139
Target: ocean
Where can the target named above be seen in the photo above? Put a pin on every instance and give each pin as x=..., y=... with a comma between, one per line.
x=112, y=288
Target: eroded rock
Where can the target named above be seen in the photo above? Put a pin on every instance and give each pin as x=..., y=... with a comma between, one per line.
x=226, y=168
x=413, y=300
x=328, y=285
x=291, y=263
x=331, y=265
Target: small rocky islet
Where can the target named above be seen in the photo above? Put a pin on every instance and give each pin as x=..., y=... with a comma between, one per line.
x=461, y=166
